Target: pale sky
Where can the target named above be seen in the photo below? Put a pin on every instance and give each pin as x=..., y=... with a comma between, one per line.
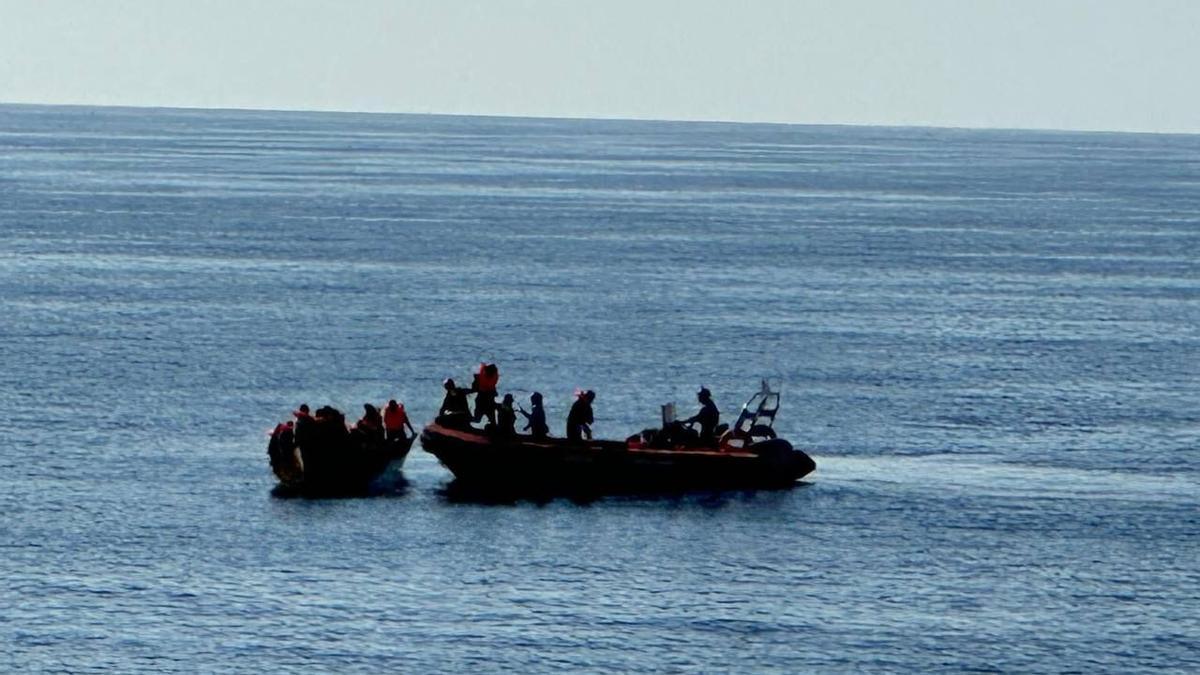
x=1058, y=64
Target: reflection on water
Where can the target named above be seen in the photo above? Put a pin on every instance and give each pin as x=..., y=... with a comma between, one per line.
x=457, y=492
x=392, y=484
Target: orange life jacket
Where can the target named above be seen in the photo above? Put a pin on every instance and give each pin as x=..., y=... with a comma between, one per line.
x=394, y=418
x=487, y=382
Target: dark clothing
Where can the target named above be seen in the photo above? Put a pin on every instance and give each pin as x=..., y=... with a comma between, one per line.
x=327, y=429
x=506, y=424
x=371, y=420
x=579, y=417
x=485, y=405
x=708, y=417
x=304, y=425
x=537, y=422
x=455, y=403
x=454, y=410
x=282, y=443
x=484, y=386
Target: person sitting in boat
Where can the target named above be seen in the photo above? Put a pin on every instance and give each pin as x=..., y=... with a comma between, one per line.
x=579, y=419
x=536, y=417
x=282, y=429
x=282, y=440
x=304, y=423
x=394, y=421
x=484, y=386
x=506, y=418
x=328, y=428
x=454, y=413
x=302, y=415
x=708, y=417
x=371, y=422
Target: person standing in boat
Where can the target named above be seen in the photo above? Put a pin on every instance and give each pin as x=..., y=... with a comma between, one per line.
x=536, y=417
x=579, y=419
x=455, y=412
x=708, y=417
x=486, y=381
x=506, y=418
x=394, y=421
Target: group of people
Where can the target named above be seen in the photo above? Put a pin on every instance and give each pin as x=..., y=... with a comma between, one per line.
x=329, y=423
x=391, y=423
x=455, y=412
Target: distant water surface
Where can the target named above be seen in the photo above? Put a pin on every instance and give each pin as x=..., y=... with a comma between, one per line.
x=988, y=340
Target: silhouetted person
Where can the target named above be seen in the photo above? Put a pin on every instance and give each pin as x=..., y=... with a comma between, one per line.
x=326, y=437
x=282, y=441
x=536, y=417
x=284, y=430
x=454, y=411
x=304, y=423
x=708, y=417
x=579, y=419
x=371, y=422
x=486, y=381
x=506, y=418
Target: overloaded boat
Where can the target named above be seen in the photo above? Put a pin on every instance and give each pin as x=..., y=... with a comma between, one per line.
x=748, y=455
x=320, y=455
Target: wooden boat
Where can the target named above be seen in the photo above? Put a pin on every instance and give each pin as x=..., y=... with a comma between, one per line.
x=747, y=456
x=323, y=456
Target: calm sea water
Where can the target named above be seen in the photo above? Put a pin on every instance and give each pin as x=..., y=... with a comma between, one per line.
x=989, y=341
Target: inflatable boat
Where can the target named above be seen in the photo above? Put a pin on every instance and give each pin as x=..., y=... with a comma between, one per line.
x=320, y=455
x=747, y=456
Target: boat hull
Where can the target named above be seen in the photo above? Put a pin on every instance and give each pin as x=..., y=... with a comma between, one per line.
x=347, y=464
x=559, y=466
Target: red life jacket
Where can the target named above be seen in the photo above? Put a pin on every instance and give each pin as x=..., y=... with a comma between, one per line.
x=486, y=382
x=394, y=418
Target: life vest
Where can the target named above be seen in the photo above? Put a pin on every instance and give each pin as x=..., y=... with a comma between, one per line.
x=486, y=382
x=394, y=418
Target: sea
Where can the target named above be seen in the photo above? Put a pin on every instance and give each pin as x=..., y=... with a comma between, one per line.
x=988, y=340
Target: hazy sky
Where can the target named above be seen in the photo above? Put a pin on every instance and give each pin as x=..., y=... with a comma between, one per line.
x=1067, y=64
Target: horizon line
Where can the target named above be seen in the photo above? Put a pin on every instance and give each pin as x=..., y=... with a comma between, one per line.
x=582, y=118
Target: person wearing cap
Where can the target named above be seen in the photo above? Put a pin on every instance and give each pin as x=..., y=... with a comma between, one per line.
x=394, y=421
x=536, y=417
x=708, y=417
x=579, y=419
